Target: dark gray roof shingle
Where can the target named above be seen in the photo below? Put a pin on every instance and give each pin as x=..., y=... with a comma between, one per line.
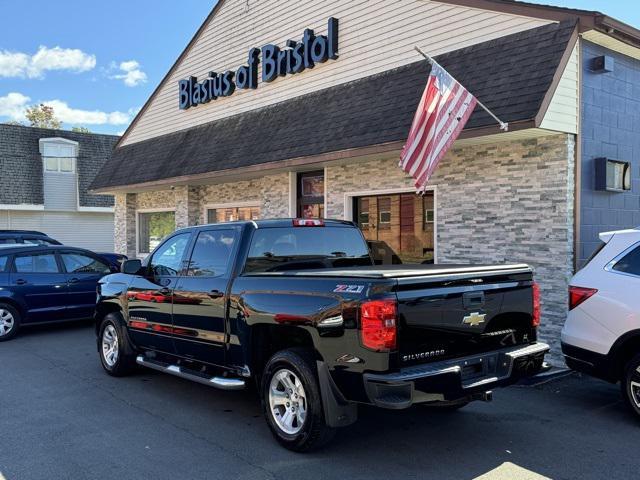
x=511, y=75
x=21, y=164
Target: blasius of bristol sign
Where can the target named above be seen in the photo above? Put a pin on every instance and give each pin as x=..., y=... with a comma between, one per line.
x=276, y=62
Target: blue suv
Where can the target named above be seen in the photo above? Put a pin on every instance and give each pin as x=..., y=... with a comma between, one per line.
x=43, y=284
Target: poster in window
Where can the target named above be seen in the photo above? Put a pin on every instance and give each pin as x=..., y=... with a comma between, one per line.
x=313, y=186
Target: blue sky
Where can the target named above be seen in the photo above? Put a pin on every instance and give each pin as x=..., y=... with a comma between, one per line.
x=94, y=39
x=96, y=62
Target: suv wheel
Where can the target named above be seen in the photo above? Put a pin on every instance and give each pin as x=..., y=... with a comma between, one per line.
x=292, y=402
x=631, y=385
x=9, y=322
x=117, y=355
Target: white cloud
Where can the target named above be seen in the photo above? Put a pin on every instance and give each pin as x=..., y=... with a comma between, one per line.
x=132, y=75
x=18, y=64
x=14, y=104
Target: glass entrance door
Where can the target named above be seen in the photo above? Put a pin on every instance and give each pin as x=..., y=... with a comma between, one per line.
x=404, y=221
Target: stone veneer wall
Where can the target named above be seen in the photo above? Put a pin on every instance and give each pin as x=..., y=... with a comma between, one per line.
x=503, y=202
x=270, y=193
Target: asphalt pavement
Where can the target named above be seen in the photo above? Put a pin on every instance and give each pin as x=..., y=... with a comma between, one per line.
x=61, y=417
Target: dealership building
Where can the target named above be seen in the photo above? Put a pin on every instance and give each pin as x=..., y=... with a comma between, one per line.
x=288, y=108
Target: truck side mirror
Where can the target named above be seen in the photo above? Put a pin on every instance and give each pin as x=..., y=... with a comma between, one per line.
x=131, y=267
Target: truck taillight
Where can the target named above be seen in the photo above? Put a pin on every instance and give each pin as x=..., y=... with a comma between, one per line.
x=308, y=222
x=577, y=295
x=378, y=321
x=535, y=319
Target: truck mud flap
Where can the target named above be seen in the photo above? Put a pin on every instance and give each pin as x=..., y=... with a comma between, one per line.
x=337, y=411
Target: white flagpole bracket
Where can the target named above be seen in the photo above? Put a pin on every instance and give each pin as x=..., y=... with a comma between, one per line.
x=503, y=125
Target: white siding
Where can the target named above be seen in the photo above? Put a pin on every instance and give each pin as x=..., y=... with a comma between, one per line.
x=90, y=230
x=60, y=191
x=562, y=114
x=375, y=35
x=4, y=219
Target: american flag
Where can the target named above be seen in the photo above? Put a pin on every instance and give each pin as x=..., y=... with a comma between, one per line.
x=443, y=111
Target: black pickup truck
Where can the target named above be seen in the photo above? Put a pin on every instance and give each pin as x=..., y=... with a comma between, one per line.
x=298, y=307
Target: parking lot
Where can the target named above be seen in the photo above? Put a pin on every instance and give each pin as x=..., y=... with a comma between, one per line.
x=62, y=417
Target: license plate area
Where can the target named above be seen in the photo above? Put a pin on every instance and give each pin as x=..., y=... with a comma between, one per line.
x=474, y=370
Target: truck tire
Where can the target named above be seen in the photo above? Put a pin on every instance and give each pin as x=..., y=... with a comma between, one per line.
x=117, y=355
x=292, y=402
x=630, y=385
x=9, y=322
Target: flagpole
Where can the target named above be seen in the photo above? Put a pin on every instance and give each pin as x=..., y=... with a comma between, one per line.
x=503, y=125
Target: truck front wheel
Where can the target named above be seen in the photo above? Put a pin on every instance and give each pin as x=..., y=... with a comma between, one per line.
x=116, y=352
x=292, y=401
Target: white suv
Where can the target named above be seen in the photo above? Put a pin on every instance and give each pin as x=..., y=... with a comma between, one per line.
x=601, y=336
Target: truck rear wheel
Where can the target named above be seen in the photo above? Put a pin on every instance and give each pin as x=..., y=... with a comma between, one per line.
x=117, y=355
x=630, y=385
x=292, y=401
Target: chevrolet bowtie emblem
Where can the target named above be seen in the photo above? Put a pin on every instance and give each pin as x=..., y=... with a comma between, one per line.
x=474, y=319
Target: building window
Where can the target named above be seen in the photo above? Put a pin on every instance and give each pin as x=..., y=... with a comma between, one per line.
x=232, y=214
x=363, y=214
x=399, y=227
x=56, y=164
x=311, y=194
x=429, y=212
x=384, y=213
x=59, y=154
x=152, y=228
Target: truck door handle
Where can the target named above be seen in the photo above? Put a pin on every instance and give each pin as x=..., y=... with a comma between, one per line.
x=73, y=280
x=21, y=281
x=216, y=293
x=164, y=291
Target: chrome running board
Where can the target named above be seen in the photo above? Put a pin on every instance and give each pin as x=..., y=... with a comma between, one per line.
x=217, y=382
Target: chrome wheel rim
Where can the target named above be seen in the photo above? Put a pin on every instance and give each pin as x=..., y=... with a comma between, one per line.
x=7, y=322
x=287, y=401
x=110, y=345
x=634, y=387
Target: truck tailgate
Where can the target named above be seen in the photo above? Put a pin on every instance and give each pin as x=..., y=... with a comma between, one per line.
x=455, y=314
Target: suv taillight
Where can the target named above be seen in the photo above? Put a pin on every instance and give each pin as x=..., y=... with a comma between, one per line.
x=378, y=323
x=577, y=295
x=535, y=319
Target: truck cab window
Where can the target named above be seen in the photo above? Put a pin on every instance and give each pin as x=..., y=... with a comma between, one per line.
x=211, y=255
x=167, y=260
x=277, y=249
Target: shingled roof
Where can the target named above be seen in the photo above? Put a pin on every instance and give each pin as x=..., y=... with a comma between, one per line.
x=511, y=75
x=21, y=164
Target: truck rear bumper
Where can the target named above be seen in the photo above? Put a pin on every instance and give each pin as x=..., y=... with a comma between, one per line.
x=454, y=379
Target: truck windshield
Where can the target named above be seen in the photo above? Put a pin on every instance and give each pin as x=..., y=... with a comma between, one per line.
x=299, y=248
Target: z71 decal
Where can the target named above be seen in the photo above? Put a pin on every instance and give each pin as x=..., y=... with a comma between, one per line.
x=349, y=288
